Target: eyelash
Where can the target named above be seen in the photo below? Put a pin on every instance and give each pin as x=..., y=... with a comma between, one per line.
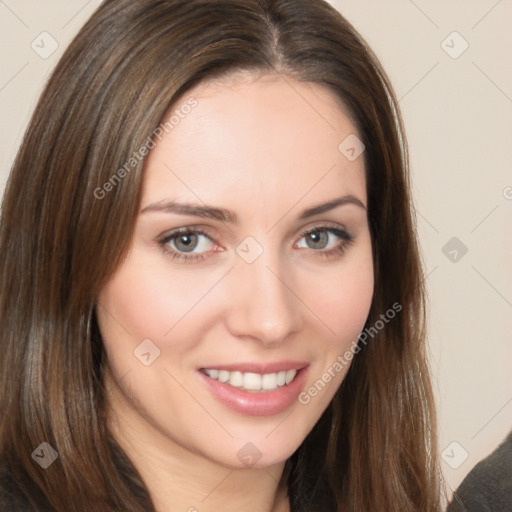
x=346, y=241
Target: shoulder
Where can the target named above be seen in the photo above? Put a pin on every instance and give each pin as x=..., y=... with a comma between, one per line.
x=488, y=485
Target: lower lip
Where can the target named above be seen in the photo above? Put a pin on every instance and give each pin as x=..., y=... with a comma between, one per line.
x=260, y=403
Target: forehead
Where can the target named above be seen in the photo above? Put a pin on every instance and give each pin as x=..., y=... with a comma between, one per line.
x=256, y=141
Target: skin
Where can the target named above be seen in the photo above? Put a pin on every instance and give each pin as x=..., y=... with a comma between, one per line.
x=265, y=147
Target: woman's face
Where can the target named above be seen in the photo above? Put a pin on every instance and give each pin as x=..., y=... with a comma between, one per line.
x=249, y=274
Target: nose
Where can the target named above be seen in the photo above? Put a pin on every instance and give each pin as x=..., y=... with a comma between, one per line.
x=263, y=304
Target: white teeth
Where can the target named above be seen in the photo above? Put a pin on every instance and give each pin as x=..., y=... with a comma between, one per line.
x=223, y=376
x=290, y=375
x=269, y=381
x=252, y=381
x=236, y=379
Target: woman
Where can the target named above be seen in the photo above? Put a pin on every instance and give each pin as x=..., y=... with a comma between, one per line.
x=211, y=291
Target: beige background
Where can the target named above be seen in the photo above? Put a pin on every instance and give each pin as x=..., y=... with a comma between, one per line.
x=458, y=116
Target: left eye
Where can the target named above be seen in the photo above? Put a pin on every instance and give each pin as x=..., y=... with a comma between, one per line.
x=189, y=242
x=321, y=238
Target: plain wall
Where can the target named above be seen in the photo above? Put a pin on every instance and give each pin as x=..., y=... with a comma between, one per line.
x=457, y=108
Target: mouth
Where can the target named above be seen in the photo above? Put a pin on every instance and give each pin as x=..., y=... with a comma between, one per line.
x=256, y=390
x=250, y=381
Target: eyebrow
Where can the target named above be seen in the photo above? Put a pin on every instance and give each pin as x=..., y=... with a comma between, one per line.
x=325, y=207
x=228, y=216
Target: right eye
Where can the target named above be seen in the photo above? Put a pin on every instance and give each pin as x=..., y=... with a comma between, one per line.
x=187, y=244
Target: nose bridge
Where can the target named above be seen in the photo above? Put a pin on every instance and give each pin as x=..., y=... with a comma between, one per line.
x=263, y=305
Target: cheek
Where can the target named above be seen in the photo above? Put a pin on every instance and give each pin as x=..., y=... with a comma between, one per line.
x=129, y=305
x=343, y=309
x=350, y=309
x=343, y=301
x=142, y=299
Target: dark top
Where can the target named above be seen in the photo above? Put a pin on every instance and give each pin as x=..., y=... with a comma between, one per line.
x=488, y=486
x=11, y=501
x=14, y=499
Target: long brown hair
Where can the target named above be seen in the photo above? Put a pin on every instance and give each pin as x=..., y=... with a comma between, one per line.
x=375, y=446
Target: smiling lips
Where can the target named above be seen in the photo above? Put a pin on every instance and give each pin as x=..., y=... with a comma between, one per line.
x=256, y=390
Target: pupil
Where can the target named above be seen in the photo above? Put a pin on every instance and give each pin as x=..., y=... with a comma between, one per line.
x=318, y=239
x=186, y=243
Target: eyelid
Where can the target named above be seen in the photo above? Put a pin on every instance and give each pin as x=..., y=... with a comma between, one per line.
x=183, y=230
x=338, y=230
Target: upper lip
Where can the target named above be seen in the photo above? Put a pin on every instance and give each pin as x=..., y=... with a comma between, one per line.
x=261, y=368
